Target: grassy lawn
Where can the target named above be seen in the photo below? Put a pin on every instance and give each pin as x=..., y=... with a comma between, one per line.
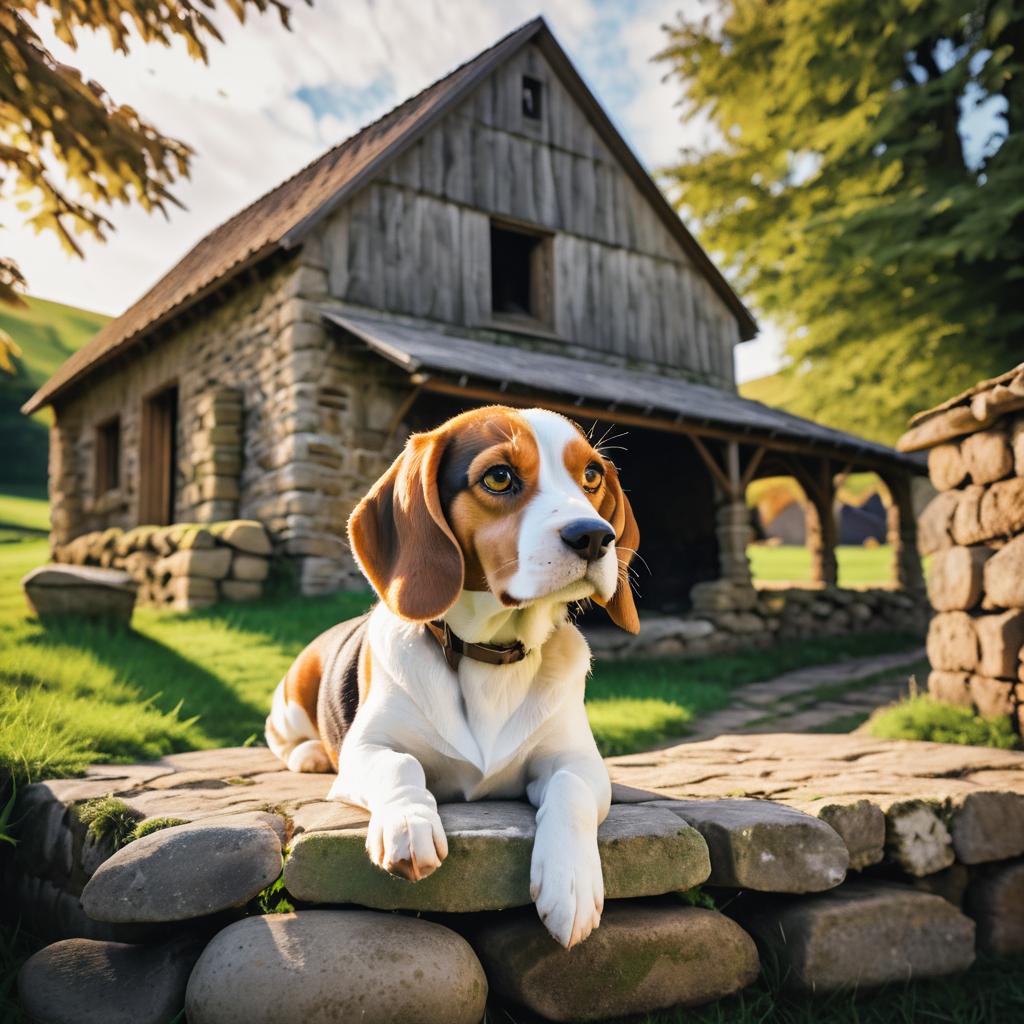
x=79, y=692
x=858, y=566
x=24, y=509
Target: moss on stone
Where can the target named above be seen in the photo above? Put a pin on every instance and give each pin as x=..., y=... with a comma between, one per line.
x=108, y=819
x=145, y=828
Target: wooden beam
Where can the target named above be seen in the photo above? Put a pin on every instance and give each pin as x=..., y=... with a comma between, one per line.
x=626, y=418
x=751, y=468
x=716, y=471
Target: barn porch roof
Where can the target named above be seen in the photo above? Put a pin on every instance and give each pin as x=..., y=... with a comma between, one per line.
x=442, y=359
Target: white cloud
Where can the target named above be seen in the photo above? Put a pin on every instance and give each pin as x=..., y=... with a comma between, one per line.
x=250, y=131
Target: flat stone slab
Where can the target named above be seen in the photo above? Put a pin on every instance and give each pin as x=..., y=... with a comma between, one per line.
x=336, y=965
x=186, y=871
x=975, y=793
x=642, y=958
x=860, y=935
x=83, y=591
x=645, y=851
x=765, y=846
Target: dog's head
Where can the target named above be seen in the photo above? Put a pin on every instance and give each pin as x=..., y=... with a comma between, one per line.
x=517, y=502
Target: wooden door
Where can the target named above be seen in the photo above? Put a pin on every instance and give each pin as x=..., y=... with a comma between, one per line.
x=158, y=457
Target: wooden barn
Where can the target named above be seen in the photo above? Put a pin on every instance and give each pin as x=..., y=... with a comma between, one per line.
x=492, y=239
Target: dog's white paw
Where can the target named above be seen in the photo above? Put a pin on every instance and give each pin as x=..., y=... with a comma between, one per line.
x=566, y=885
x=407, y=839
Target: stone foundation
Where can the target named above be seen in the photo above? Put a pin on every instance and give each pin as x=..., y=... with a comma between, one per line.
x=730, y=616
x=878, y=861
x=974, y=530
x=184, y=566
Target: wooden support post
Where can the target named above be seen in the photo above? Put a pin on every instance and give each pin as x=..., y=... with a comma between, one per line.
x=821, y=523
x=902, y=535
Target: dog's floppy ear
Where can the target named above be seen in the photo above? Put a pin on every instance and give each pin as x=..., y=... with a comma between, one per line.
x=401, y=539
x=617, y=510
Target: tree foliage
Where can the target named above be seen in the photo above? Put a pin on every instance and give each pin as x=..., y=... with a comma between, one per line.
x=838, y=188
x=69, y=150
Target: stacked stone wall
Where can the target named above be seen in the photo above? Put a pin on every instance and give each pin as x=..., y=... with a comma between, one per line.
x=277, y=421
x=974, y=531
x=183, y=566
x=730, y=616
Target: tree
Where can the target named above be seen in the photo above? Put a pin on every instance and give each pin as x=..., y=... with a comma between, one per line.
x=839, y=189
x=68, y=150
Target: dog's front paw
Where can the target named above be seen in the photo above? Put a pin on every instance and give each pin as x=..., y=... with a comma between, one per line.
x=566, y=885
x=407, y=840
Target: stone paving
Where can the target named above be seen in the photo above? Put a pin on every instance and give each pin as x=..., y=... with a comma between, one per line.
x=811, y=699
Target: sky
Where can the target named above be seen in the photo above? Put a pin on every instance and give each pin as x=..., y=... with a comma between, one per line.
x=270, y=101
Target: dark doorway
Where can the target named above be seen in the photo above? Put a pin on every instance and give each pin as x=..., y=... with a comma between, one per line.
x=158, y=457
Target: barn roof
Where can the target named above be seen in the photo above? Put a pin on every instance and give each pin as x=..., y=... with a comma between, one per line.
x=281, y=219
x=423, y=348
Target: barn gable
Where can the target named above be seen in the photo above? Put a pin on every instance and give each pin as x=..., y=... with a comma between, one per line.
x=521, y=153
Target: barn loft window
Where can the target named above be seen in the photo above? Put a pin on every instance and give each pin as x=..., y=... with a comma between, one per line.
x=158, y=457
x=108, y=456
x=532, y=89
x=520, y=274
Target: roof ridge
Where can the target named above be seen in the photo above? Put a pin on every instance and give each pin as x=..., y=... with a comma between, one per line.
x=360, y=132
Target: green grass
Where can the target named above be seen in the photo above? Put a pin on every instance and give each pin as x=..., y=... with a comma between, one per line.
x=635, y=704
x=79, y=692
x=858, y=566
x=922, y=718
x=23, y=510
x=47, y=333
x=990, y=992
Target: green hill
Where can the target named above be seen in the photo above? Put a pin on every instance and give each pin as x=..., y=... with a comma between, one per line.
x=47, y=333
x=776, y=389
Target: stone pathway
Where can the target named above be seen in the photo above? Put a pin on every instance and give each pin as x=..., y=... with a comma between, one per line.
x=811, y=699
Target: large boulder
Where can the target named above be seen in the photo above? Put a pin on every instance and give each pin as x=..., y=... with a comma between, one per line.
x=186, y=871
x=986, y=456
x=84, y=981
x=643, y=958
x=55, y=591
x=323, y=966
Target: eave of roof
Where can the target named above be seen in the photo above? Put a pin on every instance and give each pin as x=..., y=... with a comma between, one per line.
x=431, y=348
x=200, y=273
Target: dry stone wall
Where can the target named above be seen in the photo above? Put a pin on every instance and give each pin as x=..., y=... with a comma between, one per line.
x=729, y=616
x=183, y=566
x=277, y=421
x=974, y=530
x=848, y=861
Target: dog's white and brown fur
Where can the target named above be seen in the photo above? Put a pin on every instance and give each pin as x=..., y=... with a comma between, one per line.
x=494, y=522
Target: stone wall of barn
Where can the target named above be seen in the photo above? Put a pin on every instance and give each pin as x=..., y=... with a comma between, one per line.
x=974, y=530
x=276, y=422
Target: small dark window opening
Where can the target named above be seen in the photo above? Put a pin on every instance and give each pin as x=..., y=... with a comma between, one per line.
x=513, y=289
x=108, y=455
x=531, y=98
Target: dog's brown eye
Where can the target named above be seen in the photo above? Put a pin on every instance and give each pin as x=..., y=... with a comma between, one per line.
x=498, y=479
x=592, y=477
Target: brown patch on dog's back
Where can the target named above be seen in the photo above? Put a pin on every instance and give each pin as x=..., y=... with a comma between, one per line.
x=302, y=683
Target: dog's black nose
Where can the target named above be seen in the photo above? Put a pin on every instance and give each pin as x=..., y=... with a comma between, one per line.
x=589, y=538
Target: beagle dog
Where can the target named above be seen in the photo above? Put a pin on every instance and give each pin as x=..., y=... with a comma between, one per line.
x=466, y=681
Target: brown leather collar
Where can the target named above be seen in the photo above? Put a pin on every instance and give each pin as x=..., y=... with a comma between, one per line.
x=455, y=648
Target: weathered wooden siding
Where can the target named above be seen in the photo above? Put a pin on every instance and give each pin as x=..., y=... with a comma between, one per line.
x=417, y=241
